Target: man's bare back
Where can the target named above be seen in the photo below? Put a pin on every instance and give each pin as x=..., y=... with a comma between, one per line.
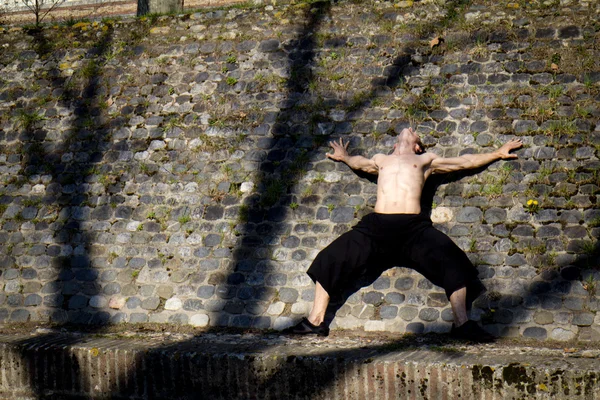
x=403, y=173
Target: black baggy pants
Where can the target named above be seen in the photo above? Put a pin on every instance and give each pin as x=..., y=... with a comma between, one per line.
x=396, y=240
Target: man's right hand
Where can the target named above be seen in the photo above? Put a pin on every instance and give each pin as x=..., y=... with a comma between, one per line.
x=340, y=152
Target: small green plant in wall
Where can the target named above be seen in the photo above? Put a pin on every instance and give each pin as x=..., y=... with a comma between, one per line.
x=28, y=119
x=111, y=256
x=532, y=206
x=590, y=284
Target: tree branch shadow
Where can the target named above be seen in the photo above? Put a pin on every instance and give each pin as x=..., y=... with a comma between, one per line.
x=68, y=162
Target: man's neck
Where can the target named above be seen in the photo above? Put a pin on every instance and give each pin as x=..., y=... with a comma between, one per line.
x=403, y=151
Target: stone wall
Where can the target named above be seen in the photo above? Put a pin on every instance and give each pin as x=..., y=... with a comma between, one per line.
x=173, y=170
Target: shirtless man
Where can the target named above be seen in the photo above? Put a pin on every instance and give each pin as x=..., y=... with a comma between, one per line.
x=396, y=233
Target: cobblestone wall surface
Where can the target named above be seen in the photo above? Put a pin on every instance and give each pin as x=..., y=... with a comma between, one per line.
x=172, y=169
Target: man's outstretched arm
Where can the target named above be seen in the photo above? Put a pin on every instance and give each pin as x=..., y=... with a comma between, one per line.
x=340, y=153
x=468, y=161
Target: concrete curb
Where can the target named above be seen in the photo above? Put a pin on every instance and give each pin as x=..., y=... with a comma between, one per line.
x=66, y=366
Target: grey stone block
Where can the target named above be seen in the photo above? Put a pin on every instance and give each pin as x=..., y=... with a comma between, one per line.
x=495, y=215
x=180, y=319
x=78, y=301
x=226, y=291
x=28, y=273
x=404, y=283
x=246, y=293
x=429, y=314
x=10, y=274
x=394, y=298
x=415, y=327
x=133, y=303
x=85, y=275
x=288, y=295
x=363, y=312
x=373, y=298
x=53, y=300
x=268, y=46
x=388, y=312
x=241, y=321
x=261, y=322
x=573, y=303
x=447, y=315
x=342, y=215
x=551, y=302
x=29, y=213
x=234, y=307
x=102, y=213
x=192, y=305
x=532, y=302
x=138, y=318
x=548, y=231
x=525, y=126
x=479, y=126
x=523, y=230
x=382, y=283
x=576, y=232
x=212, y=240
x=291, y=242
x=6, y=264
x=108, y=276
x=408, y=313
x=213, y=213
x=583, y=319
x=469, y=214
x=112, y=288
x=151, y=303
x=118, y=318
x=569, y=32
x=19, y=316
x=256, y=307
x=214, y=305
x=136, y=263
x=535, y=333
x=299, y=255
x=146, y=290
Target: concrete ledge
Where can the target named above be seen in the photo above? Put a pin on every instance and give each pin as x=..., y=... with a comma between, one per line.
x=51, y=365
